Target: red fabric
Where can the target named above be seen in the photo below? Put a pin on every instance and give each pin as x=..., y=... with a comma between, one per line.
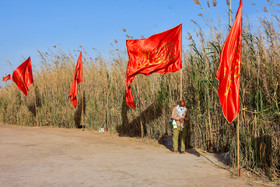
x=78, y=77
x=6, y=78
x=160, y=53
x=23, y=76
x=229, y=71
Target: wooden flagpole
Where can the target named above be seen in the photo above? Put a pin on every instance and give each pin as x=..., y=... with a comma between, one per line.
x=238, y=158
x=82, y=90
x=181, y=96
x=5, y=82
x=229, y=11
x=181, y=84
x=107, y=106
x=36, y=112
x=83, y=125
x=140, y=109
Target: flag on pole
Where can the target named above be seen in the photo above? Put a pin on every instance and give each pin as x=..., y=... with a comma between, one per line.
x=160, y=53
x=6, y=78
x=23, y=76
x=229, y=71
x=78, y=77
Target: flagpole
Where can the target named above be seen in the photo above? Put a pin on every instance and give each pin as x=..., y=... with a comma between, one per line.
x=230, y=13
x=36, y=112
x=107, y=105
x=20, y=111
x=6, y=84
x=83, y=99
x=238, y=158
x=83, y=125
x=140, y=109
x=181, y=84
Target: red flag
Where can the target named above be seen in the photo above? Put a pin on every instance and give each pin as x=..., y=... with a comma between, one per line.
x=6, y=78
x=229, y=71
x=23, y=76
x=78, y=77
x=160, y=53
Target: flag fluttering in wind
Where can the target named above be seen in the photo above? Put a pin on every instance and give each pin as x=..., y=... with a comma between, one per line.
x=229, y=71
x=78, y=77
x=6, y=78
x=23, y=76
x=160, y=53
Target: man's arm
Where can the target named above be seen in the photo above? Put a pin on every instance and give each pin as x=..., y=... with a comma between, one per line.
x=174, y=115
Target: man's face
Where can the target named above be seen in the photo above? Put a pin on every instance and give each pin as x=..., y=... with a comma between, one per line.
x=182, y=104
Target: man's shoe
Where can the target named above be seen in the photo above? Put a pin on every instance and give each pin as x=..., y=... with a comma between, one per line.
x=183, y=152
x=175, y=152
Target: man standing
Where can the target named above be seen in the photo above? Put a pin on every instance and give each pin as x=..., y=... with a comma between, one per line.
x=180, y=115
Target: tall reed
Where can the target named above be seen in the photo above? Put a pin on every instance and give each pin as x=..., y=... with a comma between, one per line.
x=104, y=95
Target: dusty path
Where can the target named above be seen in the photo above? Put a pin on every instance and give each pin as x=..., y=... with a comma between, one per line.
x=69, y=157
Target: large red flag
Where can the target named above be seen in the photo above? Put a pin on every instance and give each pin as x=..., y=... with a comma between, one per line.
x=78, y=77
x=160, y=53
x=23, y=76
x=229, y=71
x=6, y=78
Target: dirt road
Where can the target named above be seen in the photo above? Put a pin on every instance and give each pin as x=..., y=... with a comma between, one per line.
x=71, y=157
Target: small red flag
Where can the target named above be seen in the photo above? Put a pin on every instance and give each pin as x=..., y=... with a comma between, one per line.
x=229, y=71
x=6, y=78
x=23, y=76
x=160, y=53
x=78, y=77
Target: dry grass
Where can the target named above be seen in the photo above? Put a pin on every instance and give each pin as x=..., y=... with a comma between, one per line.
x=104, y=87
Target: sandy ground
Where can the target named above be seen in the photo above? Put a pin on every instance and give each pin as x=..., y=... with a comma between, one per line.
x=71, y=157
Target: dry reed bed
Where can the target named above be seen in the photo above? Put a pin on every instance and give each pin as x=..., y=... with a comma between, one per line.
x=104, y=96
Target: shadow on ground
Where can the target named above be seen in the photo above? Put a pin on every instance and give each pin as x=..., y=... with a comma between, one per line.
x=81, y=106
x=133, y=128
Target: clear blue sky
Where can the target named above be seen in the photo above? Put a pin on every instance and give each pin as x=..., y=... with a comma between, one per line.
x=31, y=25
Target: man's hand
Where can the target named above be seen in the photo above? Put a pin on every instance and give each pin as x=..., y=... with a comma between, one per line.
x=181, y=120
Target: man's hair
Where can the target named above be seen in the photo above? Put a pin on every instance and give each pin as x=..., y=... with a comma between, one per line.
x=181, y=102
